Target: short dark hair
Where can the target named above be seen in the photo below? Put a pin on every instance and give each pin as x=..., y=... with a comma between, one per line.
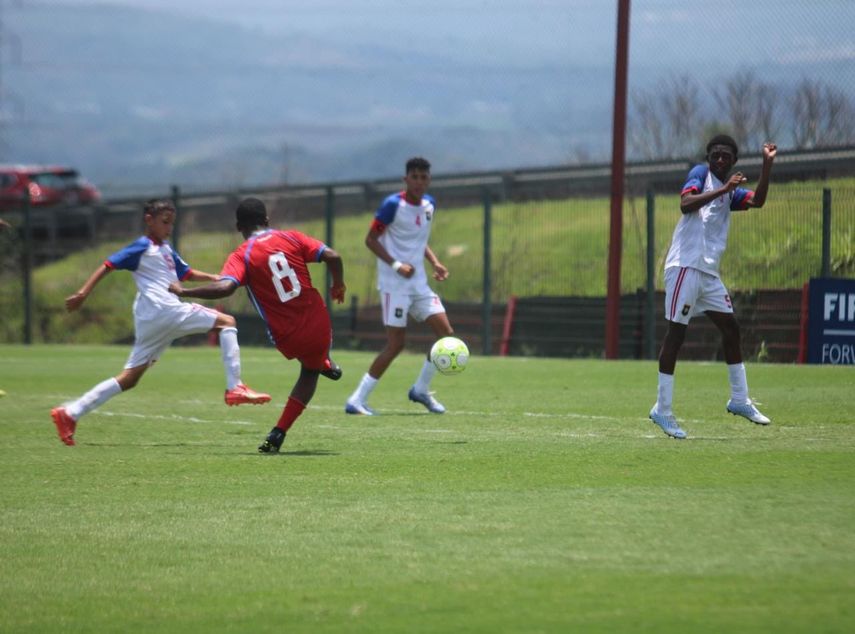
x=250, y=213
x=723, y=139
x=157, y=206
x=417, y=163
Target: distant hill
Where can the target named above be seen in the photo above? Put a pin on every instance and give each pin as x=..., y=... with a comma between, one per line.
x=140, y=98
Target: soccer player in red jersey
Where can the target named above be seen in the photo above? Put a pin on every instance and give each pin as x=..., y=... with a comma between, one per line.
x=272, y=264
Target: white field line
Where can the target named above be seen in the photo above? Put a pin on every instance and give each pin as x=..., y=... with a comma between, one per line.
x=174, y=417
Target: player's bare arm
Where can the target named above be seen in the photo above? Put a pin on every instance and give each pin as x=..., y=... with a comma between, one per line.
x=201, y=276
x=770, y=151
x=336, y=268
x=75, y=301
x=440, y=273
x=215, y=290
x=372, y=241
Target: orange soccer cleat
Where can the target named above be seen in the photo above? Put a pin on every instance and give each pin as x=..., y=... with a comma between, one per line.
x=65, y=425
x=241, y=395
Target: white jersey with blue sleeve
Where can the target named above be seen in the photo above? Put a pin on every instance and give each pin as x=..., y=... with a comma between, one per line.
x=154, y=267
x=700, y=237
x=404, y=230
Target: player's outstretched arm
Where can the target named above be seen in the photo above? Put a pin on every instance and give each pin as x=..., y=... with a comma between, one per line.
x=215, y=290
x=75, y=301
x=770, y=151
x=336, y=268
x=201, y=276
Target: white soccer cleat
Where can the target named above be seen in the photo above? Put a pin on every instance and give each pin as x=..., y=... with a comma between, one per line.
x=426, y=399
x=360, y=409
x=747, y=410
x=667, y=423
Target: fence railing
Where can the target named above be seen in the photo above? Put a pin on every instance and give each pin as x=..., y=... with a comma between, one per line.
x=539, y=243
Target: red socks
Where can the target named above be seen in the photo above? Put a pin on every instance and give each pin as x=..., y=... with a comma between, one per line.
x=292, y=411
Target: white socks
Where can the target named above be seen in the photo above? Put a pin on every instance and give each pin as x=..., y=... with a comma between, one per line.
x=230, y=351
x=738, y=388
x=738, y=383
x=665, y=394
x=95, y=397
x=366, y=385
x=423, y=382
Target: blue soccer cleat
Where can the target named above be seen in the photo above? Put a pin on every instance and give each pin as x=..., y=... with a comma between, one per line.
x=426, y=399
x=749, y=411
x=667, y=423
x=360, y=409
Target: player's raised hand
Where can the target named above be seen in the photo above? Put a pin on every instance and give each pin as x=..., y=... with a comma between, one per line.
x=337, y=292
x=770, y=151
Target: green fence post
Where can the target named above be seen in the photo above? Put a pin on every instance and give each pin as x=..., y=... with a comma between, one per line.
x=650, y=303
x=486, y=301
x=826, y=232
x=176, y=230
x=28, y=269
x=329, y=217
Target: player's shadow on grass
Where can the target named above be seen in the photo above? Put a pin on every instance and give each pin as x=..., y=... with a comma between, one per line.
x=302, y=452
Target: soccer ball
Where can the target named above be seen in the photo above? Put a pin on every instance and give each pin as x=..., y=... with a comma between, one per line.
x=450, y=355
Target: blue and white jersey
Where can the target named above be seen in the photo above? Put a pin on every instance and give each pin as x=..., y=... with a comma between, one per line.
x=154, y=267
x=404, y=232
x=700, y=237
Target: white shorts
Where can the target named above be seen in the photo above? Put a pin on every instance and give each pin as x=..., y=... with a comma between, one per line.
x=396, y=307
x=153, y=336
x=690, y=292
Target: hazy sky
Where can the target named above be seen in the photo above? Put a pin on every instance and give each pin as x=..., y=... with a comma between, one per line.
x=821, y=29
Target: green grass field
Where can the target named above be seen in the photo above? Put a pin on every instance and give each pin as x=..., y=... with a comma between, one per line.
x=543, y=501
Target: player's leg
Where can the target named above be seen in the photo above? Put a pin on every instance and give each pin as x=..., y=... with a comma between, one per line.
x=357, y=402
x=150, y=342
x=395, y=310
x=237, y=393
x=739, y=404
x=301, y=395
x=441, y=327
x=65, y=417
x=662, y=411
x=680, y=291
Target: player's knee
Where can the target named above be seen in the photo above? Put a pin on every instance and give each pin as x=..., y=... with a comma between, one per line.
x=226, y=321
x=128, y=382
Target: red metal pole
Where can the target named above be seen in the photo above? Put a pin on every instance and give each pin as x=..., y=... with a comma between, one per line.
x=510, y=312
x=618, y=159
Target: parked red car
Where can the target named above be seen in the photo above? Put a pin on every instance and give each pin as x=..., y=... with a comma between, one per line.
x=48, y=185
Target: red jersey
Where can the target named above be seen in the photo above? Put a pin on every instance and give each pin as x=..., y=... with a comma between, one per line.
x=272, y=265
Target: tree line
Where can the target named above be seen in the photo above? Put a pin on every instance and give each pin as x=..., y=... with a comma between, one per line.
x=674, y=118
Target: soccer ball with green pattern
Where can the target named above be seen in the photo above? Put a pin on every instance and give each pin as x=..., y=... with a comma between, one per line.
x=450, y=355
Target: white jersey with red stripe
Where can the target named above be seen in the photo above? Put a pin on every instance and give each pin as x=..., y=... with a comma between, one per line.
x=700, y=237
x=154, y=267
x=404, y=232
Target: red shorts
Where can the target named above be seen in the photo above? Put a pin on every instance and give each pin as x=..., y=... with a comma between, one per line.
x=308, y=341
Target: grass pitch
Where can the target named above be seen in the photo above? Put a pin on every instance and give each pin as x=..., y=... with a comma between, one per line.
x=543, y=501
